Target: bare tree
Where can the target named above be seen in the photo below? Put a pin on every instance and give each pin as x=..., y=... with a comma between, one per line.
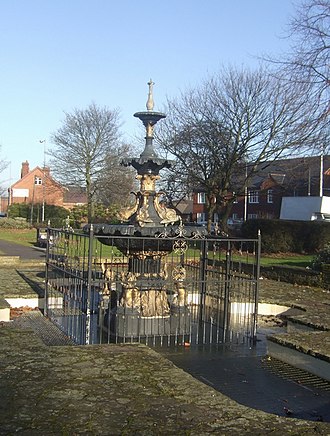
x=222, y=130
x=82, y=146
x=308, y=61
x=3, y=165
x=117, y=181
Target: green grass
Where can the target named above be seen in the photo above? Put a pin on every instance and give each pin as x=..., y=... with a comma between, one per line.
x=302, y=260
x=26, y=237
x=287, y=259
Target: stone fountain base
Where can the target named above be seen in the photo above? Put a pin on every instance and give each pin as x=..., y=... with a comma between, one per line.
x=128, y=323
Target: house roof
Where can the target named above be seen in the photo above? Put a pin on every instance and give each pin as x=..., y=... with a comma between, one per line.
x=75, y=194
x=296, y=165
x=278, y=178
x=184, y=206
x=41, y=173
x=293, y=171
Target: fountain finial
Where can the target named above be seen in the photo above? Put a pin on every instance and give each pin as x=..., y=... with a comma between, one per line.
x=149, y=119
x=150, y=101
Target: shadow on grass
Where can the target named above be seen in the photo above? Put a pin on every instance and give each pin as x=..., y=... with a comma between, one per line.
x=35, y=279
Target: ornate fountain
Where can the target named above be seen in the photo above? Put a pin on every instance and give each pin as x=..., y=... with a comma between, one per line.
x=145, y=235
x=149, y=215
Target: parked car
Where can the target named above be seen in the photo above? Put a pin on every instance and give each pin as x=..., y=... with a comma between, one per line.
x=234, y=224
x=42, y=238
x=319, y=216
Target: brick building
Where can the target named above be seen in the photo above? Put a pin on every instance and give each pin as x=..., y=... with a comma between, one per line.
x=37, y=186
x=263, y=195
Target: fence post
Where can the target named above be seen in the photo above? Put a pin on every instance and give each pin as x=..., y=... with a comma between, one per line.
x=46, y=274
x=226, y=306
x=256, y=294
x=203, y=275
x=89, y=286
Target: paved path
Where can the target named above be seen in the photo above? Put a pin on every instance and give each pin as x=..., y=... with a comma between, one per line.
x=25, y=253
x=117, y=390
x=128, y=389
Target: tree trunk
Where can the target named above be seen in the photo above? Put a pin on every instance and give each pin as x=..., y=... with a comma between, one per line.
x=90, y=205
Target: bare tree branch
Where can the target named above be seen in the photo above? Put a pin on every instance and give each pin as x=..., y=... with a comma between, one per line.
x=231, y=119
x=82, y=146
x=308, y=61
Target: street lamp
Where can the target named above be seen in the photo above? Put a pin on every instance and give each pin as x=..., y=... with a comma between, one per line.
x=245, y=194
x=321, y=170
x=43, y=141
x=32, y=204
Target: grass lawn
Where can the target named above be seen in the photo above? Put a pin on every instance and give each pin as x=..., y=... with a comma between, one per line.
x=28, y=237
x=25, y=237
x=288, y=259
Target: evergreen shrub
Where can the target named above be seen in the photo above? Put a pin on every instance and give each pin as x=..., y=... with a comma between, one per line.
x=14, y=223
x=322, y=258
x=288, y=236
x=55, y=214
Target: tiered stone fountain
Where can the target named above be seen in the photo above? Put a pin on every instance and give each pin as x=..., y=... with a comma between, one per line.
x=145, y=238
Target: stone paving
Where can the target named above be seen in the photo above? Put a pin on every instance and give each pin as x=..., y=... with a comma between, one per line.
x=125, y=389
x=22, y=281
x=315, y=304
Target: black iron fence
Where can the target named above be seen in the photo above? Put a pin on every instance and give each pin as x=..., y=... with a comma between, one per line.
x=172, y=291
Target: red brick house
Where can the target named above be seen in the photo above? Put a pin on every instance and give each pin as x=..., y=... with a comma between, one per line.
x=37, y=186
x=263, y=196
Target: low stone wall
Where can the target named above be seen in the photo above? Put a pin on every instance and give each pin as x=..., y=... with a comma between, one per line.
x=297, y=275
x=9, y=260
x=118, y=390
x=283, y=273
x=326, y=275
x=306, y=350
x=4, y=310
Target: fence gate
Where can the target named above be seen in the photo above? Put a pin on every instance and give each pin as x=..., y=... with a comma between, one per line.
x=197, y=291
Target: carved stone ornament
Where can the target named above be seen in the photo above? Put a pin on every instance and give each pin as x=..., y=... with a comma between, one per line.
x=125, y=214
x=167, y=215
x=180, y=298
x=147, y=181
x=154, y=303
x=143, y=215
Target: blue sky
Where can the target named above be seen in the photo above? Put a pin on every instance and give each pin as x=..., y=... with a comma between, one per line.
x=57, y=55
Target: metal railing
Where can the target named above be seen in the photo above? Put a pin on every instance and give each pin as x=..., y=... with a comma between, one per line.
x=175, y=291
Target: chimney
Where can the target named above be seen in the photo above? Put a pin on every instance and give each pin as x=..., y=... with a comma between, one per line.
x=25, y=169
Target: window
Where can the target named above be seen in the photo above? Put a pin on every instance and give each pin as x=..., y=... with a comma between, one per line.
x=201, y=198
x=270, y=196
x=38, y=181
x=23, y=193
x=201, y=217
x=253, y=197
x=235, y=216
x=252, y=216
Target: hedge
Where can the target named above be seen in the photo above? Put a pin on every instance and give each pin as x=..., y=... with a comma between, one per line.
x=288, y=236
x=295, y=275
x=14, y=223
